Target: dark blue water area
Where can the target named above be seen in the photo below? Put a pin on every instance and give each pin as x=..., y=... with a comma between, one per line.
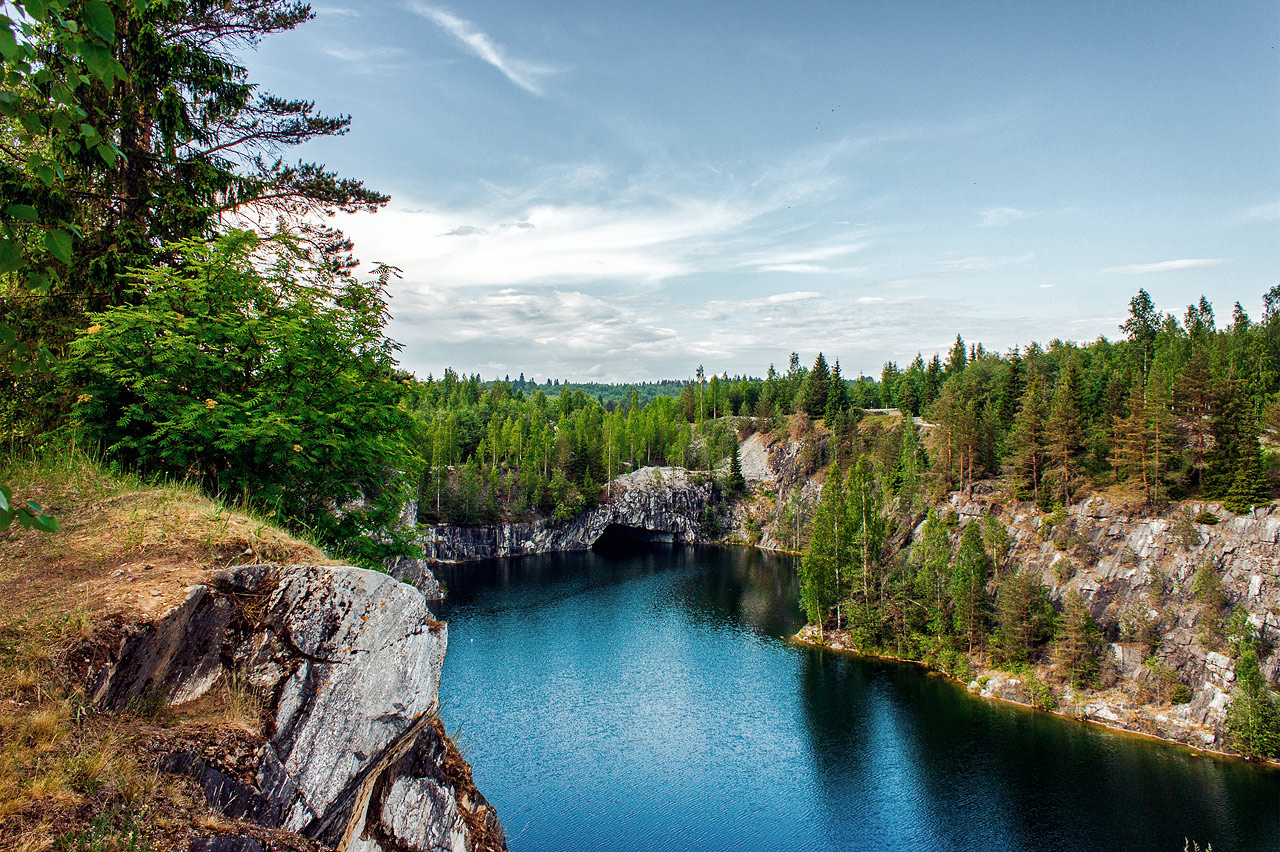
x=652, y=700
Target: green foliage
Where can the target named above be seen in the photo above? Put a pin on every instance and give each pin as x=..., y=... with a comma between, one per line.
x=735, y=483
x=256, y=374
x=968, y=586
x=1211, y=596
x=1204, y=516
x=1253, y=716
x=1023, y=616
x=27, y=513
x=1077, y=645
x=819, y=568
x=1042, y=697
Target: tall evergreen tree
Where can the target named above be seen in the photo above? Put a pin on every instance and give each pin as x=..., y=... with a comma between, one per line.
x=815, y=388
x=1076, y=645
x=1253, y=716
x=1023, y=615
x=957, y=360
x=1195, y=402
x=820, y=565
x=969, y=586
x=1065, y=431
x=1029, y=440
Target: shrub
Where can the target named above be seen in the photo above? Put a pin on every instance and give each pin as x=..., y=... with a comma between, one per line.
x=258, y=377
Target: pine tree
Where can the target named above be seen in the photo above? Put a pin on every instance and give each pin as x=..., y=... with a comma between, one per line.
x=1253, y=716
x=1065, y=432
x=1195, y=405
x=1076, y=646
x=969, y=586
x=1029, y=440
x=736, y=481
x=815, y=388
x=1132, y=441
x=820, y=565
x=1023, y=615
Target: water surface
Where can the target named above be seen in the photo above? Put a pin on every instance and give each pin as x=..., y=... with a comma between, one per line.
x=652, y=701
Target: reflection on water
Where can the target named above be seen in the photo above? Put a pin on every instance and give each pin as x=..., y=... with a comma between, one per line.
x=651, y=701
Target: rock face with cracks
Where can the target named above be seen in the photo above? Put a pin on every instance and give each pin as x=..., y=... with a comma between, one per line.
x=349, y=661
x=664, y=504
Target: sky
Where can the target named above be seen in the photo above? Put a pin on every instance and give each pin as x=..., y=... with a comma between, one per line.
x=596, y=191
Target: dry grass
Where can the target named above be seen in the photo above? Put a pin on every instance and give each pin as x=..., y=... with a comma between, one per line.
x=126, y=545
x=128, y=550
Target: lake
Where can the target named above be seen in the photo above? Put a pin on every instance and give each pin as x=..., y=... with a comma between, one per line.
x=650, y=699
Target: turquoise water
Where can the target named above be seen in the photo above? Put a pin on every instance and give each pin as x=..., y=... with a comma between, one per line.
x=652, y=701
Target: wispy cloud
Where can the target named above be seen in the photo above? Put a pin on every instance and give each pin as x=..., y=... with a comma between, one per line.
x=525, y=74
x=1165, y=266
x=959, y=264
x=1261, y=213
x=999, y=216
x=378, y=60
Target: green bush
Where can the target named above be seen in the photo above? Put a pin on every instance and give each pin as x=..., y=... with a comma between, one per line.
x=260, y=377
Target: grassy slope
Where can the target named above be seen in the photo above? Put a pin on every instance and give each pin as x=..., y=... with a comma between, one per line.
x=70, y=777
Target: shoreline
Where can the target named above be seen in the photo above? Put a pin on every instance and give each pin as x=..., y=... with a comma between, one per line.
x=808, y=636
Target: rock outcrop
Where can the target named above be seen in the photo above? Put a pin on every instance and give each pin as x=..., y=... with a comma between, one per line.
x=347, y=663
x=654, y=503
x=1137, y=573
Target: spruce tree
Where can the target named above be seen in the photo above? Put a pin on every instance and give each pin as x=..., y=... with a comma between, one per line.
x=1195, y=401
x=837, y=396
x=1231, y=437
x=820, y=565
x=969, y=586
x=1029, y=441
x=1253, y=716
x=958, y=359
x=1023, y=615
x=815, y=388
x=1249, y=487
x=736, y=481
x=1076, y=646
x=1065, y=432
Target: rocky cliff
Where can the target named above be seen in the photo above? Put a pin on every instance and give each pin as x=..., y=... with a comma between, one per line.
x=1134, y=567
x=345, y=664
x=1136, y=570
x=654, y=503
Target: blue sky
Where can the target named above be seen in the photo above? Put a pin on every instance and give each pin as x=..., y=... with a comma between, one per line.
x=600, y=191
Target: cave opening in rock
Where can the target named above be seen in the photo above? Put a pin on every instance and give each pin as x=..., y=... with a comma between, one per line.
x=621, y=537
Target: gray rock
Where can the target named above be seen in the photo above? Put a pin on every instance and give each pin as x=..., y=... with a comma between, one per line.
x=351, y=660
x=370, y=668
x=659, y=504
x=177, y=657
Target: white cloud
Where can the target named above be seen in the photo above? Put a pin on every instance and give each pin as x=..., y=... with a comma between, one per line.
x=1262, y=212
x=377, y=60
x=974, y=262
x=527, y=75
x=1165, y=266
x=999, y=216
